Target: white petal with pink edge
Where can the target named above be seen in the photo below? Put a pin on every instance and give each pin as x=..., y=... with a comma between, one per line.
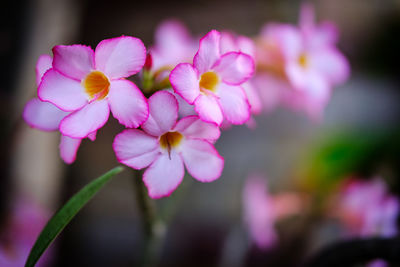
x=127, y=103
x=235, y=68
x=202, y=160
x=185, y=82
x=135, y=148
x=74, y=61
x=163, y=113
x=164, y=175
x=234, y=103
x=209, y=51
x=194, y=128
x=120, y=57
x=247, y=46
x=43, y=64
x=81, y=123
x=208, y=108
x=43, y=115
x=68, y=148
x=65, y=93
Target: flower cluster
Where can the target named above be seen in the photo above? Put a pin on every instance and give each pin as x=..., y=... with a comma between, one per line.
x=195, y=87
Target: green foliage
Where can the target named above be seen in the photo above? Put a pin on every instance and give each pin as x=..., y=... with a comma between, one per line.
x=62, y=217
x=345, y=154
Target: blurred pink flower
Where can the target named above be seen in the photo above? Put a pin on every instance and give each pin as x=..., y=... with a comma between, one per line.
x=24, y=224
x=90, y=83
x=173, y=45
x=306, y=59
x=366, y=208
x=166, y=145
x=261, y=210
x=47, y=117
x=213, y=83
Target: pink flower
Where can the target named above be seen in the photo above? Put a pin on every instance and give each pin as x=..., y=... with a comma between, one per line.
x=90, y=83
x=19, y=233
x=166, y=145
x=47, y=117
x=261, y=210
x=366, y=208
x=173, y=45
x=311, y=67
x=213, y=82
x=304, y=58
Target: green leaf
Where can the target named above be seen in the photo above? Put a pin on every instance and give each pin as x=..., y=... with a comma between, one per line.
x=65, y=215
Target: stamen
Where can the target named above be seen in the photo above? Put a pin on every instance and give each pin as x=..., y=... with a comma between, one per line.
x=209, y=80
x=303, y=60
x=96, y=85
x=170, y=140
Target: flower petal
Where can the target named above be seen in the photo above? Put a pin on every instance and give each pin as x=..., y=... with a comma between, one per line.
x=164, y=175
x=234, y=103
x=127, y=103
x=68, y=148
x=202, y=160
x=194, y=128
x=43, y=64
x=173, y=45
x=209, y=51
x=227, y=43
x=235, y=68
x=185, y=109
x=120, y=57
x=65, y=93
x=163, y=113
x=43, y=115
x=208, y=108
x=135, y=148
x=253, y=97
x=258, y=212
x=296, y=75
x=74, y=61
x=92, y=136
x=185, y=82
x=332, y=64
x=247, y=46
x=81, y=123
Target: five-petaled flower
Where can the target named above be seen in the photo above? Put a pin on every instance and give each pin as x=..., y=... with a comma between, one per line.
x=90, y=83
x=213, y=82
x=167, y=145
x=47, y=117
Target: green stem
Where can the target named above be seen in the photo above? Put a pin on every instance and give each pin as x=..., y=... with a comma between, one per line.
x=154, y=228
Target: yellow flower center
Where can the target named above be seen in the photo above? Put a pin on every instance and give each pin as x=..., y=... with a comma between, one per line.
x=209, y=80
x=303, y=60
x=170, y=140
x=96, y=85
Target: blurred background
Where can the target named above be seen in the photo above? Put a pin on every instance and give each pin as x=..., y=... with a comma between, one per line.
x=285, y=147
